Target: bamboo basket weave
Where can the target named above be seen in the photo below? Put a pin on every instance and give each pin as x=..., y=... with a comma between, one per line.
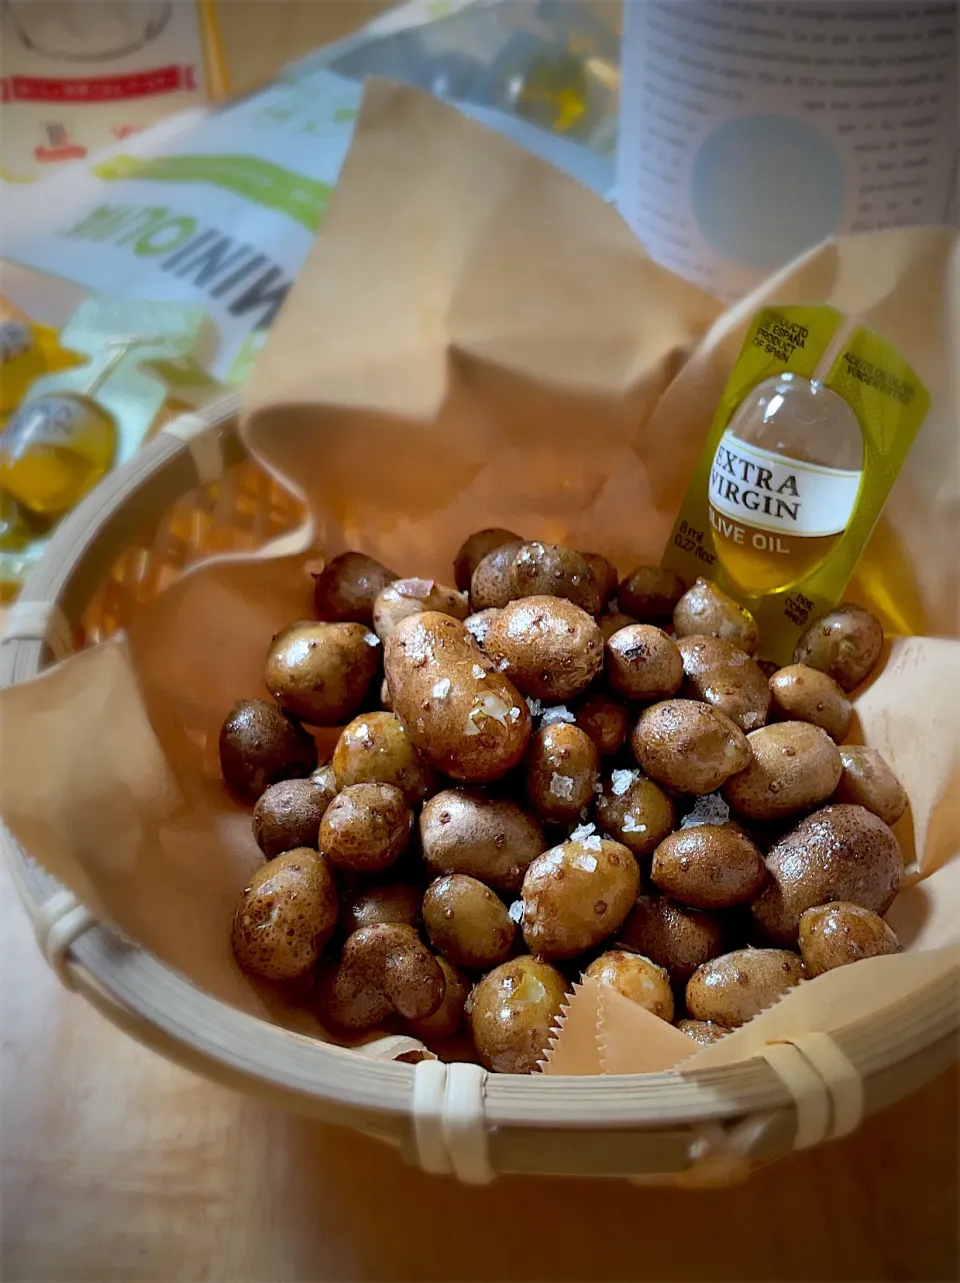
x=189, y=493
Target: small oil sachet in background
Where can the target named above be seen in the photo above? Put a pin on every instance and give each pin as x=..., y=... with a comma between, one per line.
x=73, y=426
x=809, y=436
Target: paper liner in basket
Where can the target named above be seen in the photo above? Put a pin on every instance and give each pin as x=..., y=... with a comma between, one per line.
x=475, y=340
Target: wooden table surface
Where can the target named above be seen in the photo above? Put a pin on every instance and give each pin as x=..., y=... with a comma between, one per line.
x=119, y=1166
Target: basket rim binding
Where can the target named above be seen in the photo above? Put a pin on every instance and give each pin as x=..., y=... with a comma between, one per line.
x=162, y=1009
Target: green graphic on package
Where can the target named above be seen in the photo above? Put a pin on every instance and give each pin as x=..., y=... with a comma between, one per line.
x=809, y=436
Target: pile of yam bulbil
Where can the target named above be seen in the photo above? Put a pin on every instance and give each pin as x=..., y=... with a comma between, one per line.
x=543, y=773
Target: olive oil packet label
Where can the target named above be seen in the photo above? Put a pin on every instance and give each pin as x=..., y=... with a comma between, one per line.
x=767, y=515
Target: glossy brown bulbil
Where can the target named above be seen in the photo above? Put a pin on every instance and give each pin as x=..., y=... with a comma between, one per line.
x=635, y=978
x=868, y=781
x=466, y=719
x=635, y=811
x=672, y=935
x=347, y=587
x=382, y=969
x=286, y=914
x=488, y=838
x=448, y=1017
x=605, y=720
x=689, y=746
x=706, y=610
x=366, y=906
x=643, y=663
x=836, y=934
x=561, y=771
x=845, y=644
x=320, y=672
x=737, y=986
x=366, y=828
x=473, y=550
x=795, y=767
x=612, y=623
x=838, y=853
x=804, y=694
x=548, y=647
x=405, y=597
x=288, y=814
x=467, y=923
x=577, y=895
x=375, y=749
x=708, y=866
x=259, y=746
x=723, y=675
x=705, y=1032
x=544, y=569
x=512, y=1011
x=604, y=574
x=491, y=584
x=650, y=593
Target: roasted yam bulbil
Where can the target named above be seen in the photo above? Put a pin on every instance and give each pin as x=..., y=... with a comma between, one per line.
x=512, y=1012
x=488, y=838
x=406, y=597
x=732, y=989
x=287, y=913
x=577, y=895
x=705, y=610
x=321, y=672
x=548, y=647
x=375, y=749
x=836, y=934
x=259, y=746
x=650, y=593
x=473, y=550
x=545, y=569
x=689, y=746
x=721, y=674
x=845, y=644
x=643, y=664
x=287, y=815
x=462, y=716
x=347, y=587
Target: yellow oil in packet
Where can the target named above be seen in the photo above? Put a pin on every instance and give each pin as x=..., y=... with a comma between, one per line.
x=811, y=431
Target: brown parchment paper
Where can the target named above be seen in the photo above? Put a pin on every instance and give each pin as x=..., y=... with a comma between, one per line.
x=475, y=340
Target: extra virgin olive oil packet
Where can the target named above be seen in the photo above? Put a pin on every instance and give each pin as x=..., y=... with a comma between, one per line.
x=810, y=433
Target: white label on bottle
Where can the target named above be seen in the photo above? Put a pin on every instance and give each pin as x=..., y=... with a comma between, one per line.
x=751, y=132
x=769, y=491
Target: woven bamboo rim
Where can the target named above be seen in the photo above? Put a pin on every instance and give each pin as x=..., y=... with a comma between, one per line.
x=632, y=1125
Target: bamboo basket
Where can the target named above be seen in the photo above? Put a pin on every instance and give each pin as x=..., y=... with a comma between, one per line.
x=126, y=542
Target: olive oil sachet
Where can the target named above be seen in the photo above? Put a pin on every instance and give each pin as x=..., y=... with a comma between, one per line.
x=812, y=429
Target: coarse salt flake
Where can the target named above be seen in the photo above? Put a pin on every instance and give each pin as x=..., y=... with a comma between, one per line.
x=441, y=688
x=515, y=911
x=582, y=831
x=559, y=713
x=621, y=780
x=592, y=844
x=478, y=672
x=630, y=825
x=708, y=809
x=534, y=706
x=371, y=639
x=586, y=862
x=561, y=785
